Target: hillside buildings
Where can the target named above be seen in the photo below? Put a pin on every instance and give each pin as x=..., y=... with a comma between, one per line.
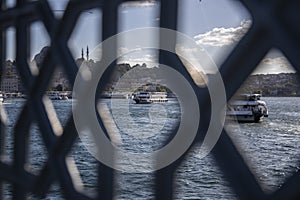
x=10, y=80
x=284, y=84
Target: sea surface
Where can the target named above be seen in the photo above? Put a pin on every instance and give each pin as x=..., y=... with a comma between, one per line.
x=271, y=148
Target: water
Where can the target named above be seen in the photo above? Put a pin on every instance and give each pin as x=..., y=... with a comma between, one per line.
x=271, y=147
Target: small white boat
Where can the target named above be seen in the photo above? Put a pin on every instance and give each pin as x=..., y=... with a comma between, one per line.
x=54, y=95
x=57, y=95
x=150, y=97
x=1, y=97
x=247, y=108
x=64, y=96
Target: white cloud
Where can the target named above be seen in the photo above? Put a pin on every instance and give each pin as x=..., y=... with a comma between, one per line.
x=144, y=3
x=220, y=41
x=196, y=59
x=140, y=57
x=282, y=61
x=274, y=66
x=219, y=37
x=122, y=50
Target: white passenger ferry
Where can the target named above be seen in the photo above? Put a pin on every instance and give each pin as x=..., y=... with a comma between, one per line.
x=1, y=97
x=247, y=108
x=57, y=95
x=150, y=97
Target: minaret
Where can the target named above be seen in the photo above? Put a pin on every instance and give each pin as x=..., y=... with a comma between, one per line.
x=82, y=55
x=87, y=53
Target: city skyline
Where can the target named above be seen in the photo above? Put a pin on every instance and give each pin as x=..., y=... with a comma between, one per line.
x=217, y=27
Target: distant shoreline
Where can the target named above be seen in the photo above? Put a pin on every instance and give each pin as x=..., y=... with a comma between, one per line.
x=273, y=85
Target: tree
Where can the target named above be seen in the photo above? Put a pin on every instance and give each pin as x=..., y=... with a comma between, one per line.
x=9, y=73
x=59, y=87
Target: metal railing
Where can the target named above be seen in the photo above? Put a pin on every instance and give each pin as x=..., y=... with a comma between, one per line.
x=275, y=25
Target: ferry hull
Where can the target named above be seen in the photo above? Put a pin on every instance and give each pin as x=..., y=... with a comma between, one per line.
x=247, y=108
x=150, y=97
x=137, y=101
x=244, y=118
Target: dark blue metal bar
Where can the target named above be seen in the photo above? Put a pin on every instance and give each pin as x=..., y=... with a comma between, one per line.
x=20, y=148
x=109, y=28
x=2, y=125
x=275, y=24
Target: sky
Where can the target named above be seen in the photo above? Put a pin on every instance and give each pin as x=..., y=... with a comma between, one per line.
x=215, y=25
